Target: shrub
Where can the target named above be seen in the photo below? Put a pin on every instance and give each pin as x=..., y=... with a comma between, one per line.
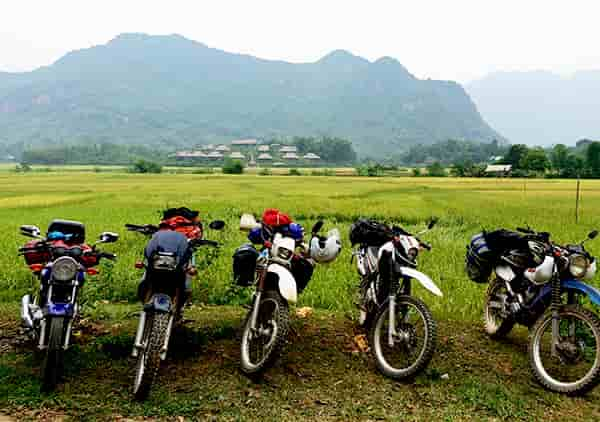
x=369, y=170
x=416, y=172
x=203, y=170
x=294, y=172
x=143, y=166
x=22, y=168
x=265, y=172
x=233, y=166
x=323, y=172
x=436, y=170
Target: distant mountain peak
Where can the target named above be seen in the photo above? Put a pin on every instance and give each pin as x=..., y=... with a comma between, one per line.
x=337, y=57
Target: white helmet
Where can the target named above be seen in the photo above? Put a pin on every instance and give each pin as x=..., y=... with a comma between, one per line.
x=325, y=250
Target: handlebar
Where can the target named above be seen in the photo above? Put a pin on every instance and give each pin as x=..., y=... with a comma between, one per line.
x=146, y=229
x=525, y=230
x=196, y=243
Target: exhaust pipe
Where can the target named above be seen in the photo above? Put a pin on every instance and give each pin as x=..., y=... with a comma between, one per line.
x=25, y=314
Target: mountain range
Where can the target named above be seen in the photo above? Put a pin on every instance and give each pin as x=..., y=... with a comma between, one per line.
x=540, y=108
x=172, y=91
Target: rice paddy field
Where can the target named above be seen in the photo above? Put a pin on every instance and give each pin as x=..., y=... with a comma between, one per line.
x=108, y=200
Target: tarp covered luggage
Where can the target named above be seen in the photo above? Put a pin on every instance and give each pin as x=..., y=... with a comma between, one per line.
x=369, y=233
x=479, y=259
x=184, y=221
x=244, y=265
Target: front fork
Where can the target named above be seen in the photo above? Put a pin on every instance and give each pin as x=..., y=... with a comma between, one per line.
x=139, y=336
x=261, y=271
x=43, y=337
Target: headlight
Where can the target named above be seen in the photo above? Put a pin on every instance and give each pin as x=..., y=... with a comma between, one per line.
x=64, y=269
x=578, y=265
x=284, y=254
x=412, y=254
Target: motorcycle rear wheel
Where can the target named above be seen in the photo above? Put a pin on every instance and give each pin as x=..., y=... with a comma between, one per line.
x=495, y=325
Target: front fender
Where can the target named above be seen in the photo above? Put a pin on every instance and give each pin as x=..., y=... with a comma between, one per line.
x=159, y=303
x=591, y=292
x=423, y=279
x=286, y=282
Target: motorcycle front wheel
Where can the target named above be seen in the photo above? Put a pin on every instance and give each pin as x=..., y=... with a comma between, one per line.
x=148, y=361
x=412, y=345
x=53, y=364
x=574, y=368
x=260, y=347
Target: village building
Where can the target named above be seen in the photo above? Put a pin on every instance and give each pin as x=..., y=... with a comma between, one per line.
x=288, y=148
x=264, y=148
x=237, y=155
x=264, y=157
x=222, y=148
x=290, y=156
x=311, y=156
x=214, y=155
x=498, y=170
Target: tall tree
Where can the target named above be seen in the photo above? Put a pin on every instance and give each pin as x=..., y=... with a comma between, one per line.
x=515, y=154
x=535, y=159
x=592, y=159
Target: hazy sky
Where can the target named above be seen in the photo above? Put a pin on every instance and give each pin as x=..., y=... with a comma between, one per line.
x=443, y=39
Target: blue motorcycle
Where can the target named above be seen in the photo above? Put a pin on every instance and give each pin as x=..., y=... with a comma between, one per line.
x=60, y=261
x=542, y=285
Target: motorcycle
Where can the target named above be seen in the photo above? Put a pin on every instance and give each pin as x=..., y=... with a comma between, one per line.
x=60, y=261
x=280, y=271
x=401, y=329
x=163, y=293
x=541, y=285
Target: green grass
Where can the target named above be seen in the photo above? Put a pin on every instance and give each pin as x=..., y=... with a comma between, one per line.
x=106, y=201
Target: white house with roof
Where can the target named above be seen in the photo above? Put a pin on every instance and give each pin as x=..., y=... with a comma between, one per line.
x=311, y=156
x=214, y=155
x=288, y=148
x=290, y=156
x=264, y=157
x=237, y=155
x=263, y=148
x=498, y=169
x=222, y=148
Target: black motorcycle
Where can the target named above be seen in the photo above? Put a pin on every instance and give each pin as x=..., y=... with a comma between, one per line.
x=169, y=263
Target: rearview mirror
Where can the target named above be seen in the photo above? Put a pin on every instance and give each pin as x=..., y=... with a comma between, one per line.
x=108, y=237
x=432, y=223
x=216, y=225
x=30, y=231
x=593, y=234
x=317, y=227
x=248, y=222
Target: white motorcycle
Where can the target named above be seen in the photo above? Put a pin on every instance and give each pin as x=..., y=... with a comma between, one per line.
x=280, y=272
x=402, y=331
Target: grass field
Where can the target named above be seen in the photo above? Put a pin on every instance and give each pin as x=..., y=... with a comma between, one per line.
x=108, y=200
x=464, y=206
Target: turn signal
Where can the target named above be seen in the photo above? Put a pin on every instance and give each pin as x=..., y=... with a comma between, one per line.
x=36, y=268
x=139, y=265
x=92, y=271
